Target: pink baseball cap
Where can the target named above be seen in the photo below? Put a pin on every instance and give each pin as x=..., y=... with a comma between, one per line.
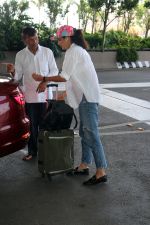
x=65, y=31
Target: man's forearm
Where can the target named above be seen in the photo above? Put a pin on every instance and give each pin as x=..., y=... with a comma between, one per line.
x=54, y=79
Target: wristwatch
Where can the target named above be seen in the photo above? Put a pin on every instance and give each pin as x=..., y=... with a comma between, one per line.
x=44, y=79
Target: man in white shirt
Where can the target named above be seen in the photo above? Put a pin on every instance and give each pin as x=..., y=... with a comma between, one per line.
x=40, y=59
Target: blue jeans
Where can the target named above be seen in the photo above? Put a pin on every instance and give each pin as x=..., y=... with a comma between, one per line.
x=89, y=133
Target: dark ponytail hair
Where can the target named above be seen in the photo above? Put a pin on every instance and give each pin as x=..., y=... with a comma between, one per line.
x=79, y=39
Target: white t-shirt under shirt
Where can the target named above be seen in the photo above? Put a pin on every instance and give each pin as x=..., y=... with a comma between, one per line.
x=79, y=71
x=26, y=63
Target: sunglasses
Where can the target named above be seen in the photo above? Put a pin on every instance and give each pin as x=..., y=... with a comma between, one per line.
x=61, y=38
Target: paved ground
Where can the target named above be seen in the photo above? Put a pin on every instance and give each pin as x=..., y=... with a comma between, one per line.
x=28, y=199
x=140, y=92
x=124, y=76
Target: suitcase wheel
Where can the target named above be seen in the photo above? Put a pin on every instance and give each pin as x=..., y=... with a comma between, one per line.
x=70, y=173
x=49, y=176
x=43, y=174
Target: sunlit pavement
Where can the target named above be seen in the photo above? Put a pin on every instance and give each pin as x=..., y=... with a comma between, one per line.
x=28, y=199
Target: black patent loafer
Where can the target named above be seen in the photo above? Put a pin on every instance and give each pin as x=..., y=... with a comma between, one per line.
x=78, y=171
x=93, y=180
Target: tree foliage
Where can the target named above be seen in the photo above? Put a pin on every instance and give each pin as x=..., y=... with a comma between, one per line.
x=115, y=8
x=84, y=13
x=147, y=4
x=126, y=9
x=12, y=19
x=54, y=9
x=143, y=17
x=105, y=8
x=39, y=4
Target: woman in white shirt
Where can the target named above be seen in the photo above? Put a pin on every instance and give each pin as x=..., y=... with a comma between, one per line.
x=82, y=91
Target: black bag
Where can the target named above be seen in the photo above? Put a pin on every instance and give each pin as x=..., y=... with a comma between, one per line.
x=59, y=115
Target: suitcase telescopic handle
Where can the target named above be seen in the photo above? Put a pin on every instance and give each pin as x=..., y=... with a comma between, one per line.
x=52, y=85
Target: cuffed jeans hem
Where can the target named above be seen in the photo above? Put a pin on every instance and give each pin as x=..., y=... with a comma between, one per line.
x=99, y=167
x=88, y=163
x=103, y=167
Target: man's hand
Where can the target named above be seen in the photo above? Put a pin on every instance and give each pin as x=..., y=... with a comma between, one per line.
x=11, y=68
x=37, y=77
x=41, y=87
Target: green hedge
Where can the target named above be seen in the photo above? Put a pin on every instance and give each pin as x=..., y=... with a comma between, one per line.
x=2, y=55
x=44, y=39
x=114, y=39
x=145, y=43
x=126, y=55
x=94, y=40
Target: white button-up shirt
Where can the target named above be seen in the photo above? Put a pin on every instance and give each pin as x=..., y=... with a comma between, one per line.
x=79, y=71
x=26, y=63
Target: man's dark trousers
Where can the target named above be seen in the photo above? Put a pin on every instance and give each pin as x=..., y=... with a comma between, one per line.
x=35, y=112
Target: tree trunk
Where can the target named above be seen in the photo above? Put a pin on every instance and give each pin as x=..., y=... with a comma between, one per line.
x=104, y=29
x=93, y=20
x=39, y=16
x=147, y=28
x=79, y=22
x=85, y=25
x=104, y=37
x=146, y=33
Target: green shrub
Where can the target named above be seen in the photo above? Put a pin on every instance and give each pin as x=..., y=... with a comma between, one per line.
x=113, y=38
x=44, y=39
x=2, y=55
x=94, y=40
x=11, y=39
x=133, y=55
x=126, y=55
x=130, y=42
x=145, y=43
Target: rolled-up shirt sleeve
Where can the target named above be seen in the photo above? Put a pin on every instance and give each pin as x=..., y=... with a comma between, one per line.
x=18, y=68
x=69, y=66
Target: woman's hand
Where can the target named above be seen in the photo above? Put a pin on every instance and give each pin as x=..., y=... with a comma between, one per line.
x=62, y=95
x=37, y=77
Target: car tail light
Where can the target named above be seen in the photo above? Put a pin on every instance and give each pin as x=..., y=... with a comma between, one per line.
x=18, y=96
x=19, y=99
x=25, y=136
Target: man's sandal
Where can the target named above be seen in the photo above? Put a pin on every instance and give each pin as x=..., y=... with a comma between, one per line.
x=27, y=157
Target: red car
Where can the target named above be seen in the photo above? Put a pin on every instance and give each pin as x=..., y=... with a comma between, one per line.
x=14, y=124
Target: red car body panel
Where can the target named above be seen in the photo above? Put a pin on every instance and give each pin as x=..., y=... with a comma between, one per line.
x=14, y=124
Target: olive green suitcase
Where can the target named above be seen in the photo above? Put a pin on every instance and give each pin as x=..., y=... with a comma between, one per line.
x=55, y=152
